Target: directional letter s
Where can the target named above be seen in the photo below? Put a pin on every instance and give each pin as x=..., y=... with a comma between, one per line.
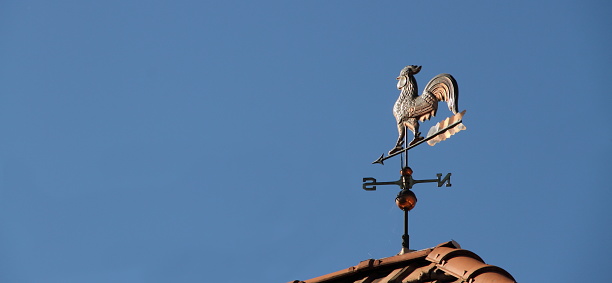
x=368, y=185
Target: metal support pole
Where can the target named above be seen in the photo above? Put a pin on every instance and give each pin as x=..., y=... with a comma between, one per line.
x=405, y=237
x=406, y=146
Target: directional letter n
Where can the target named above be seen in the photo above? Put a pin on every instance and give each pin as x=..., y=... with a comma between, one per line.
x=445, y=180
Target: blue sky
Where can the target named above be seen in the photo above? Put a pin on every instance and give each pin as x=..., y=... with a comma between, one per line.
x=200, y=141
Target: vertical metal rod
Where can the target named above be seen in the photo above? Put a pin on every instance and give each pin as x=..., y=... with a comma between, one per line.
x=406, y=237
x=406, y=143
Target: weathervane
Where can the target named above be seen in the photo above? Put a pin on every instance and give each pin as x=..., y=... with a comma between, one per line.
x=409, y=109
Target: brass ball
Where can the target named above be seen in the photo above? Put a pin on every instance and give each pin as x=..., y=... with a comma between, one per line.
x=406, y=171
x=406, y=200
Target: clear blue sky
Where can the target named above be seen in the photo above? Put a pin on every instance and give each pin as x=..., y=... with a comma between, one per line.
x=218, y=141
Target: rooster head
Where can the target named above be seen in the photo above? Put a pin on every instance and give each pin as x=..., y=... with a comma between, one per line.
x=410, y=70
x=402, y=79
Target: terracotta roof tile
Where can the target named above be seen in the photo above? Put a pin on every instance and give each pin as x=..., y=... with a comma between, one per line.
x=445, y=263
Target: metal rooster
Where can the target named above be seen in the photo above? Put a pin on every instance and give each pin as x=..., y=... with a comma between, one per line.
x=410, y=108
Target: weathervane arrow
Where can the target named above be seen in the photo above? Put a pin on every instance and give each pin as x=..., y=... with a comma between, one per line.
x=437, y=133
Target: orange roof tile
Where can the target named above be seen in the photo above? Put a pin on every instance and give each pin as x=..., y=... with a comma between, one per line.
x=446, y=262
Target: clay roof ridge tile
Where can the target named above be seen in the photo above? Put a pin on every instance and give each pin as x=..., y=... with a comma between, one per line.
x=447, y=259
x=466, y=265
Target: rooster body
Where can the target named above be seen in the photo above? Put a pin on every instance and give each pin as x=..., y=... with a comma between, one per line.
x=410, y=108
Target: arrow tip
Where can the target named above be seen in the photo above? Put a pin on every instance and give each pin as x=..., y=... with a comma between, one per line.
x=379, y=160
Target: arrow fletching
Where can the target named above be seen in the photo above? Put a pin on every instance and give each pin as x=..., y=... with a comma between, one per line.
x=445, y=129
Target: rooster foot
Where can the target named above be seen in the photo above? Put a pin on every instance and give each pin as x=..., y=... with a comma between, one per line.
x=416, y=139
x=395, y=149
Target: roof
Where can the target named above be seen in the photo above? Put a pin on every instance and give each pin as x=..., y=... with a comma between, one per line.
x=446, y=262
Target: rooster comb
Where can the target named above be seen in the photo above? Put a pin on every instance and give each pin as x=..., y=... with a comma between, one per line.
x=410, y=70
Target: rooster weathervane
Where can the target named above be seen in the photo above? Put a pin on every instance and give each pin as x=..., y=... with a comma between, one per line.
x=409, y=109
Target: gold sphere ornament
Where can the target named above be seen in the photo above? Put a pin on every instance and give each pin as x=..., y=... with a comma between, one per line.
x=406, y=200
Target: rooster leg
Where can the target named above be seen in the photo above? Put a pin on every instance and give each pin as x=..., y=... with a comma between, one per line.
x=413, y=125
x=400, y=139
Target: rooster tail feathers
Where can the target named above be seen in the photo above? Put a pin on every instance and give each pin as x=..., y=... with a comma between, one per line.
x=447, y=124
x=444, y=88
